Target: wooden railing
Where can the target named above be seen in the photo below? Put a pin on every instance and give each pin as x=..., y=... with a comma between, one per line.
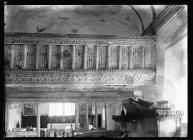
x=78, y=53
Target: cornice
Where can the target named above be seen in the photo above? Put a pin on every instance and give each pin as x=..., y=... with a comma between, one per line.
x=162, y=19
x=71, y=36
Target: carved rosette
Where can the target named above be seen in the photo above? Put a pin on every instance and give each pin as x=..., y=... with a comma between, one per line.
x=139, y=76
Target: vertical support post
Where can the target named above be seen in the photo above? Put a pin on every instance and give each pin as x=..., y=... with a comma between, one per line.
x=120, y=56
x=143, y=57
x=96, y=117
x=85, y=57
x=49, y=56
x=62, y=56
x=108, y=57
x=25, y=56
x=73, y=56
x=38, y=120
x=76, y=116
x=37, y=57
x=97, y=57
x=7, y=118
x=87, y=117
x=105, y=115
x=131, y=57
x=12, y=56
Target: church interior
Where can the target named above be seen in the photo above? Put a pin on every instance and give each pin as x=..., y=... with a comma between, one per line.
x=95, y=70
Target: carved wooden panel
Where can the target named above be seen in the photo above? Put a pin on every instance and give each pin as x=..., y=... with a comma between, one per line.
x=56, y=57
x=18, y=56
x=31, y=56
x=102, y=77
x=7, y=55
x=91, y=56
x=67, y=56
x=137, y=56
x=43, y=56
x=125, y=57
x=147, y=57
x=79, y=56
x=102, y=57
x=113, y=57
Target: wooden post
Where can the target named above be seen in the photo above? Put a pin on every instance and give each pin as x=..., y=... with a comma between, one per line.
x=25, y=56
x=97, y=57
x=7, y=118
x=38, y=120
x=49, y=56
x=85, y=57
x=73, y=56
x=96, y=117
x=120, y=57
x=143, y=57
x=131, y=58
x=12, y=56
x=62, y=56
x=87, y=123
x=105, y=115
x=37, y=57
x=108, y=57
x=76, y=116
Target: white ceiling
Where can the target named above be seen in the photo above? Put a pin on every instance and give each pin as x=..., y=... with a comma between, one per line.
x=80, y=19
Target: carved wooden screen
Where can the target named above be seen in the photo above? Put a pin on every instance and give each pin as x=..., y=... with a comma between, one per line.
x=102, y=57
x=113, y=57
x=31, y=56
x=43, y=56
x=125, y=57
x=137, y=56
x=56, y=49
x=91, y=56
x=7, y=54
x=18, y=56
x=79, y=56
x=147, y=57
x=67, y=56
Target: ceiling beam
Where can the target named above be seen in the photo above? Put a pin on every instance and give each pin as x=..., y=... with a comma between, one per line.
x=167, y=14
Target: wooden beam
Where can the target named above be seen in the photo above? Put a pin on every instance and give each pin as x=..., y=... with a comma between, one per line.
x=97, y=57
x=87, y=122
x=96, y=116
x=76, y=117
x=106, y=116
x=37, y=57
x=61, y=56
x=120, y=56
x=49, y=56
x=25, y=56
x=73, y=56
x=12, y=55
x=38, y=119
x=85, y=57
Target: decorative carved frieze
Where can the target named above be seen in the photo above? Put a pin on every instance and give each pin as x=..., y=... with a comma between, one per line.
x=101, y=77
x=75, y=39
